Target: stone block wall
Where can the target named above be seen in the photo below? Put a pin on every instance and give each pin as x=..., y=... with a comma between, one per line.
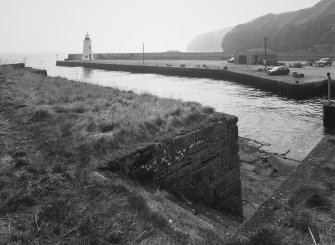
x=201, y=164
x=157, y=56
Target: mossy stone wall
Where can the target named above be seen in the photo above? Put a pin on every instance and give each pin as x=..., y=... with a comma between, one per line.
x=201, y=164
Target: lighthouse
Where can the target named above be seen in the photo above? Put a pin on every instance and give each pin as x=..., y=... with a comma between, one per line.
x=87, y=48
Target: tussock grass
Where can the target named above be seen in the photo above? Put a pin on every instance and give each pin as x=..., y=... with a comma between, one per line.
x=58, y=133
x=90, y=112
x=309, y=210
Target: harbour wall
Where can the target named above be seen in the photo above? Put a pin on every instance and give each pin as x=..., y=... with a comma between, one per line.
x=201, y=165
x=290, y=90
x=157, y=56
x=282, y=56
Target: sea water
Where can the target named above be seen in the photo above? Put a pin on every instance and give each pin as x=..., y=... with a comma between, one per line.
x=286, y=124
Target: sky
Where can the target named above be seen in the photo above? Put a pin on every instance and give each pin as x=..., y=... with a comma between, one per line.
x=123, y=25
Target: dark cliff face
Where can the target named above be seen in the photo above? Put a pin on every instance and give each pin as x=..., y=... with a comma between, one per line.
x=310, y=29
x=208, y=42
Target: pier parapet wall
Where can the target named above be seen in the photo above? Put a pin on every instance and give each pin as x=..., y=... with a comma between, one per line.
x=282, y=56
x=200, y=164
x=290, y=90
x=157, y=56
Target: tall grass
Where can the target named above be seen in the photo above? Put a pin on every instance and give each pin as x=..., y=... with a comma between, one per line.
x=58, y=133
x=125, y=117
x=308, y=214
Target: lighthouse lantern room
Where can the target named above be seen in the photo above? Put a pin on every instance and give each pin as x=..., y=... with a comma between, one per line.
x=87, y=48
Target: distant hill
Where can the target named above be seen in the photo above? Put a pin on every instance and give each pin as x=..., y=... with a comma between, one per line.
x=311, y=29
x=208, y=42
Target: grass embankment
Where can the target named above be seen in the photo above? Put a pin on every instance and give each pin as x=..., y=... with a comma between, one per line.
x=55, y=134
x=303, y=207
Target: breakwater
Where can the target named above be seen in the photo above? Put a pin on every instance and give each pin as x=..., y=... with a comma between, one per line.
x=282, y=56
x=283, y=88
x=157, y=56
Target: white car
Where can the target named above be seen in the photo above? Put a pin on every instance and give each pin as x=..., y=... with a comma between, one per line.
x=324, y=61
x=231, y=60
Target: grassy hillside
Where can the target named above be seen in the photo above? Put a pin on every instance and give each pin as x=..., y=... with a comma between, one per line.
x=311, y=29
x=55, y=134
x=56, y=186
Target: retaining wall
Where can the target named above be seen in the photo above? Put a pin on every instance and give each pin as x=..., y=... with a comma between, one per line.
x=282, y=56
x=15, y=66
x=157, y=56
x=23, y=66
x=290, y=90
x=201, y=164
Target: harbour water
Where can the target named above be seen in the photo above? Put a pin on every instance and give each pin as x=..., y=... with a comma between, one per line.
x=283, y=123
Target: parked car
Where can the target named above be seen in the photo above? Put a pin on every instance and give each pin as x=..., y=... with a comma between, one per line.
x=231, y=60
x=279, y=70
x=324, y=61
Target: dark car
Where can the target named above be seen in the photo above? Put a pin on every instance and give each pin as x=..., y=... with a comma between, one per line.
x=324, y=61
x=232, y=60
x=279, y=70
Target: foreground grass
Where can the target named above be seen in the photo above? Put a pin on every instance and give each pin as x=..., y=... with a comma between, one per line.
x=308, y=217
x=55, y=134
x=302, y=210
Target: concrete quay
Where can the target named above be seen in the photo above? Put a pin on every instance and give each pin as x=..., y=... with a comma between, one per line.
x=315, y=171
x=313, y=84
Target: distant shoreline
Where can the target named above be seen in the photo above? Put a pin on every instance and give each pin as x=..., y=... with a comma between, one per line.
x=176, y=55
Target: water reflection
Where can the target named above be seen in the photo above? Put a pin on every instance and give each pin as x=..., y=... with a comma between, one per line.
x=87, y=73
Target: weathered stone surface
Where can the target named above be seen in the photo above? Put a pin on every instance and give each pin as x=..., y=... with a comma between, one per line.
x=202, y=164
x=209, y=199
x=296, y=155
x=251, y=175
x=234, y=161
x=247, y=166
x=283, y=165
x=195, y=193
x=275, y=149
x=245, y=157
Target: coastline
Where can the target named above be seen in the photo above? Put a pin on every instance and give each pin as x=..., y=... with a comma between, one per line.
x=259, y=168
x=60, y=151
x=314, y=84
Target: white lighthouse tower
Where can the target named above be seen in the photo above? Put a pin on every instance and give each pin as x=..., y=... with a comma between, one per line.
x=87, y=48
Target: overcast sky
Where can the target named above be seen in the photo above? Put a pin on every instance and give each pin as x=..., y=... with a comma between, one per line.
x=122, y=25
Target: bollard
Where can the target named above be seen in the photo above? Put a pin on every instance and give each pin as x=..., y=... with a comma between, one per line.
x=329, y=109
x=329, y=116
x=329, y=87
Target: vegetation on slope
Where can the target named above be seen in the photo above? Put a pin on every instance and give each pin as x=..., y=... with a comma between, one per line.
x=310, y=29
x=303, y=207
x=54, y=134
